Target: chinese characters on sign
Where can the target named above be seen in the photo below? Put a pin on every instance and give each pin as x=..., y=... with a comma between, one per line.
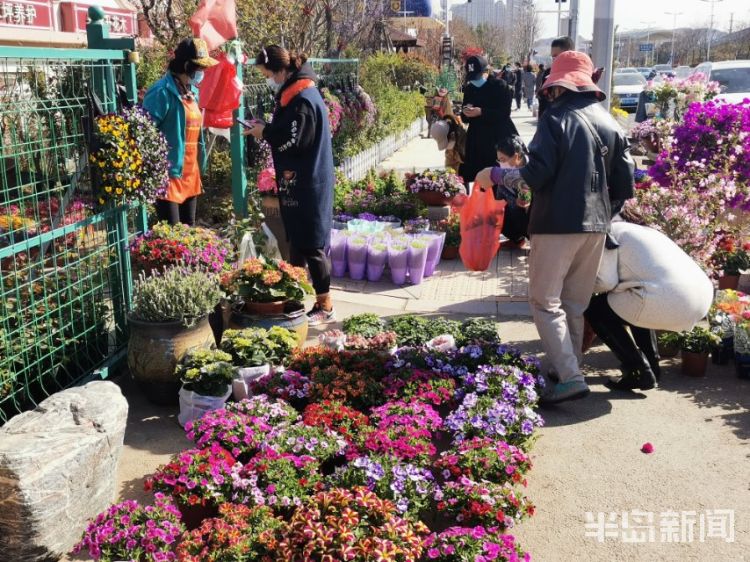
x=117, y=24
x=667, y=527
x=14, y=13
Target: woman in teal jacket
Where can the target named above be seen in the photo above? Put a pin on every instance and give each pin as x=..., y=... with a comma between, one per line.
x=173, y=104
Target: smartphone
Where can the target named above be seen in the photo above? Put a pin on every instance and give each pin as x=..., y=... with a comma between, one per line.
x=246, y=124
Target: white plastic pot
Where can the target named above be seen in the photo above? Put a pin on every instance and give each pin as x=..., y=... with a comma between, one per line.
x=245, y=377
x=193, y=405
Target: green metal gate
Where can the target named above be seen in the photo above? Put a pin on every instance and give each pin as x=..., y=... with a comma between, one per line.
x=65, y=280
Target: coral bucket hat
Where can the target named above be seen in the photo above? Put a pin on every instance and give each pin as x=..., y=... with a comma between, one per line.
x=573, y=71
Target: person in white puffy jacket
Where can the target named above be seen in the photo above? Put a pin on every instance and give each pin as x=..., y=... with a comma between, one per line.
x=646, y=283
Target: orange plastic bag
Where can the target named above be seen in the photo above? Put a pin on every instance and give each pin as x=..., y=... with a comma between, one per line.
x=481, y=223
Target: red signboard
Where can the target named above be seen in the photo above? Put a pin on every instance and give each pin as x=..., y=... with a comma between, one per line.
x=27, y=14
x=121, y=22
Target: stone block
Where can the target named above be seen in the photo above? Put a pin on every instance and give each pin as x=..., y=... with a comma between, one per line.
x=58, y=469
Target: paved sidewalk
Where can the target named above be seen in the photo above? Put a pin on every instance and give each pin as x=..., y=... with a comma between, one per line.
x=501, y=290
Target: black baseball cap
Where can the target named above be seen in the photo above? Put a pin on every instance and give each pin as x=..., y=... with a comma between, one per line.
x=475, y=66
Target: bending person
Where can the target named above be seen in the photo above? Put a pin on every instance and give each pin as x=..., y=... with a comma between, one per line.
x=646, y=283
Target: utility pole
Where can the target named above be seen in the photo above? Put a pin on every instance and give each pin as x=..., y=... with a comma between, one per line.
x=573, y=22
x=711, y=27
x=603, y=44
x=674, y=30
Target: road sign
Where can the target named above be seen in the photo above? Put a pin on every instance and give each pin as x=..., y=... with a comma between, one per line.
x=646, y=47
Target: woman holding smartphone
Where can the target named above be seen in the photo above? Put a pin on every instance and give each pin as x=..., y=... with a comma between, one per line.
x=173, y=104
x=300, y=141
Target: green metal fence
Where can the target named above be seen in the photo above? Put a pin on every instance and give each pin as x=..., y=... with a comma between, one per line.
x=64, y=266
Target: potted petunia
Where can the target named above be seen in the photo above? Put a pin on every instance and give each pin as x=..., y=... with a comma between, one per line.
x=435, y=188
x=266, y=286
x=169, y=318
x=696, y=346
x=206, y=377
x=731, y=259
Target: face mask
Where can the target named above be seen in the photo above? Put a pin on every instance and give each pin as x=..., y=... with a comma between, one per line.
x=275, y=86
x=479, y=82
x=197, y=77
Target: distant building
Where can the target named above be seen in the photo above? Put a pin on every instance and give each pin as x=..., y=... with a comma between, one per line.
x=481, y=12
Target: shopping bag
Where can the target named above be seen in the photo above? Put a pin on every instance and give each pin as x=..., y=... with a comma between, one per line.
x=481, y=224
x=220, y=92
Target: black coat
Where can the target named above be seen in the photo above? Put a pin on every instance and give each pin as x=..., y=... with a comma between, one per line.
x=518, y=81
x=300, y=140
x=571, y=189
x=487, y=129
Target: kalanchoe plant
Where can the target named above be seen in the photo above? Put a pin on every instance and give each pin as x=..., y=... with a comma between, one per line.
x=234, y=536
x=260, y=280
x=175, y=296
x=131, y=531
x=366, y=325
x=196, y=476
x=285, y=343
x=445, y=182
x=350, y=525
x=482, y=503
x=206, y=372
x=384, y=341
x=484, y=459
x=408, y=486
x=472, y=544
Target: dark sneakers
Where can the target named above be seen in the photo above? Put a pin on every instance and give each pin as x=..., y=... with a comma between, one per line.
x=318, y=315
x=635, y=379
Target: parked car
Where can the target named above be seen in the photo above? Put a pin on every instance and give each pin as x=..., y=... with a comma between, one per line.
x=628, y=87
x=733, y=77
x=645, y=71
x=628, y=70
x=682, y=72
x=664, y=69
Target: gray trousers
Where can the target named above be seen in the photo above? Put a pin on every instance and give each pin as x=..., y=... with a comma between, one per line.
x=562, y=274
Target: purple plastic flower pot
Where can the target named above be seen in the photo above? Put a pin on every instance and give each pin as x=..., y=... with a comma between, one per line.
x=434, y=249
x=357, y=270
x=338, y=268
x=375, y=272
x=417, y=263
x=398, y=275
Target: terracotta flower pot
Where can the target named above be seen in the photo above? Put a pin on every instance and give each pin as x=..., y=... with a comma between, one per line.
x=433, y=198
x=694, y=364
x=155, y=349
x=729, y=282
x=265, y=308
x=450, y=253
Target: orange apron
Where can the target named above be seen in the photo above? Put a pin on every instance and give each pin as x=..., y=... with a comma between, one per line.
x=189, y=185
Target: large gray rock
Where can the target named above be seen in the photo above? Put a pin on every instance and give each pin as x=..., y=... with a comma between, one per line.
x=58, y=468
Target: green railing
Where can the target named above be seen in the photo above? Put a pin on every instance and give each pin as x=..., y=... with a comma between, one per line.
x=65, y=280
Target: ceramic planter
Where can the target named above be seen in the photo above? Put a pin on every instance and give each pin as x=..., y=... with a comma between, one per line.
x=155, y=349
x=694, y=364
x=265, y=308
x=433, y=198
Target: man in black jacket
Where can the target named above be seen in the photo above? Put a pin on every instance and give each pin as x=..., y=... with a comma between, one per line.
x=579, y=169
x=486, y=109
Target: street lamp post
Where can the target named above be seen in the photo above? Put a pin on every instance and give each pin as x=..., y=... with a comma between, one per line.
x=674, y=30
x=711, y=27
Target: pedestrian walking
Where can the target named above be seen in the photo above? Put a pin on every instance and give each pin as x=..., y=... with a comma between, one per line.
x=300, y=141
x=518, y=85
x=486, y=110
x=645, y=283
x=579, y=169
x=529, y=86
x=172, y=102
